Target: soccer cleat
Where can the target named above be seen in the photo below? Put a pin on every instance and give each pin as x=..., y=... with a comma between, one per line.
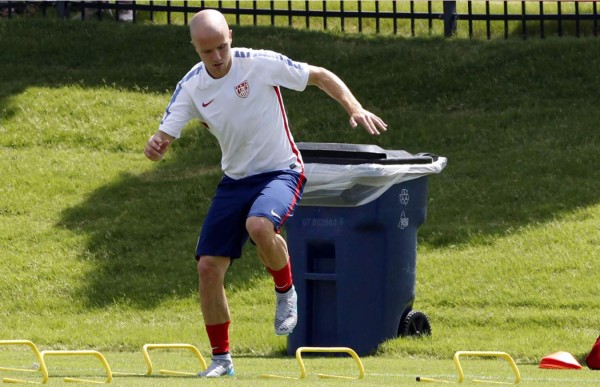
x=286, y=314
x=218, y=368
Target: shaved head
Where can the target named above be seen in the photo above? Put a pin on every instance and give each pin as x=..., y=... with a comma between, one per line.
x=211, y=38
x=208, y=21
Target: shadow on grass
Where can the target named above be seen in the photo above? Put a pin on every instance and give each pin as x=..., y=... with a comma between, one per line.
x=142, y=232
x=517, y=126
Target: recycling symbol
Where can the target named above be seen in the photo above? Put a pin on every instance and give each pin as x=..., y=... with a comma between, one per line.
x=404, y=197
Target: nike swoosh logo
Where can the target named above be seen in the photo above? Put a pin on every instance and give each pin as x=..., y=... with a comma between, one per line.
x=205, y=104
x=275, y=214
x=281, y=287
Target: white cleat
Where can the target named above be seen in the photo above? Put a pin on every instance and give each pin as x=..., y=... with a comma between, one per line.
x=286, y=314
x=218, y=368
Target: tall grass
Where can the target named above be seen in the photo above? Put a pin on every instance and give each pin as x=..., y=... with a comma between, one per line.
x=97, y=243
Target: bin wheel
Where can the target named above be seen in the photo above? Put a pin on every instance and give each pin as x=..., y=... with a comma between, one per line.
x=415, y=323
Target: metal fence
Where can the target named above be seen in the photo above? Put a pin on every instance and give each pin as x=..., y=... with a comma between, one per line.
x=477, y=18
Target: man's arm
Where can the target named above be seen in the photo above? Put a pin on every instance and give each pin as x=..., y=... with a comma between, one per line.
x=337, y=89
x=157, y=145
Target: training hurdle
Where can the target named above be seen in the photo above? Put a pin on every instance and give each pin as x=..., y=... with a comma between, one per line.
x=300, y=350
x=503, y=355
x=84, y=352
x=150, y=368
x=39, y=358
x=189, y=347
x=461, y=375
x=42, y=368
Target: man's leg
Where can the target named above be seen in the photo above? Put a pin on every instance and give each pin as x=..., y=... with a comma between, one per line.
x=215, y=309
x=273, y=252
x=272, y=248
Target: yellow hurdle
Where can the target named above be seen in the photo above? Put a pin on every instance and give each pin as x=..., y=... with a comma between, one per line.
x=503, y=355
x=40, y=360
x=189, y=347
x=96, y=354
x=43, y=369
x=461, y=374
x=299, y=351
x=433, y=380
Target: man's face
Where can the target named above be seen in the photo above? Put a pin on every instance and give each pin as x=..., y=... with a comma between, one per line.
x=214, y=49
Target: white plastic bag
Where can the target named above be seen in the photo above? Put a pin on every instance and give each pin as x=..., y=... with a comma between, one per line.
x=342, y=185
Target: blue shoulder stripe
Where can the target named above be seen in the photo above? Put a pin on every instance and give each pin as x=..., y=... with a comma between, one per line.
x=266, y=54
x=192, y=73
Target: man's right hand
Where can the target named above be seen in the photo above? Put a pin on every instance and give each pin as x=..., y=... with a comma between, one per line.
x=156, y=147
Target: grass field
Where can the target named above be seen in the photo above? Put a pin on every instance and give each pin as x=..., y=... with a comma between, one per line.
x=96, y=242
x=251, y=371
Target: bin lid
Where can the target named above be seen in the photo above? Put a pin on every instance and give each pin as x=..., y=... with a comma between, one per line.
x=352, y=154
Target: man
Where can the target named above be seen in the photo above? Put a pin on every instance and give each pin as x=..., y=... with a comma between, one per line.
x=235, y=93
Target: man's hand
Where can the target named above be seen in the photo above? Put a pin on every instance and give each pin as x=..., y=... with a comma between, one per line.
x=372, y=123
x=156, y=147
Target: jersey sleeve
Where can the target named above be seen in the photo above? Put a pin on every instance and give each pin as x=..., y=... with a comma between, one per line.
x=283, y=71
x=179, y=112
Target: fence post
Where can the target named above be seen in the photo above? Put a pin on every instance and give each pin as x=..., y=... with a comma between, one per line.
x=449, y=18
x=62, y=9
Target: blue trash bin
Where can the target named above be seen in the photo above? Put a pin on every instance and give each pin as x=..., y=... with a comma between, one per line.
x=353, y=243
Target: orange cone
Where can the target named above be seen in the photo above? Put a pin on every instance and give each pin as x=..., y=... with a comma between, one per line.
x=560, y=361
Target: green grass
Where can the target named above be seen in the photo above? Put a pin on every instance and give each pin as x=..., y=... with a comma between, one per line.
x=97, y=243
x=250, y=371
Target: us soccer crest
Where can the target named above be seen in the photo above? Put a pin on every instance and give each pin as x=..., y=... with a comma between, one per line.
x=243, y=89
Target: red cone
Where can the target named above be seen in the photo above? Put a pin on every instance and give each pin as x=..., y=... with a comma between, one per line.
x=561, y=361
x=593, y=358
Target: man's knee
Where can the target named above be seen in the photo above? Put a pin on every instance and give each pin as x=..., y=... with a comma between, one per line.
x=212, y=268
x=260, y=229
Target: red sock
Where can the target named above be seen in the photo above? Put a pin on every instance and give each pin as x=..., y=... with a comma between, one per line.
x=218, y=335
x=282, y=278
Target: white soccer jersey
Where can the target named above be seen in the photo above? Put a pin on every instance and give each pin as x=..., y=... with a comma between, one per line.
x=244, y=110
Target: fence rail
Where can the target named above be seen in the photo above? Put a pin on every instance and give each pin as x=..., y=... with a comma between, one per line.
x=476, y=18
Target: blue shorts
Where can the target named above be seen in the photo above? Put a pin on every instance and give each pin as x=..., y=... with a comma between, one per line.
x=271, y=195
